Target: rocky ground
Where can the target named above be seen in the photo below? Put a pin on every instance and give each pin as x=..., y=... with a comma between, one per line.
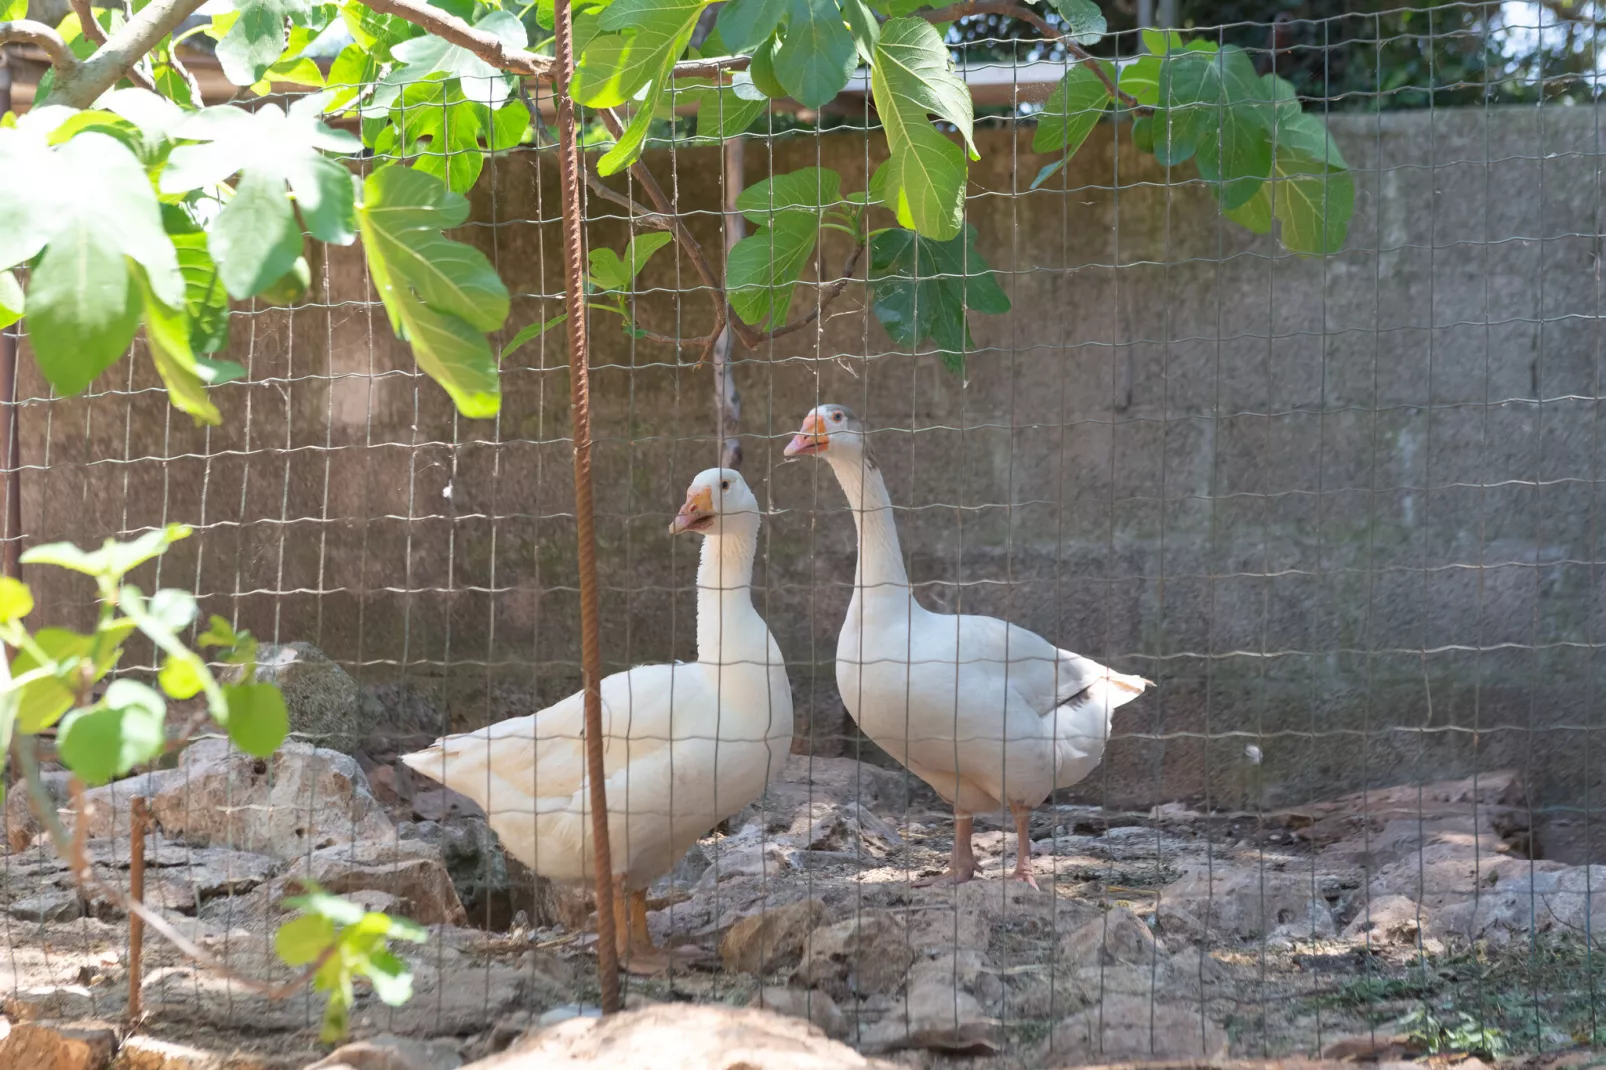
x=1363, y=927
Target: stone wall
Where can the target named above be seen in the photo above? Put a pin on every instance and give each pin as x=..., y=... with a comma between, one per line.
x=1319, y=502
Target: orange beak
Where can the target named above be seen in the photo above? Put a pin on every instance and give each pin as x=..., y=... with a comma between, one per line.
x=697, y=514
x=811, y=439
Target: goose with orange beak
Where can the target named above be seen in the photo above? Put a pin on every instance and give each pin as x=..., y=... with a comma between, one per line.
x=685, y=745
x=989, y=714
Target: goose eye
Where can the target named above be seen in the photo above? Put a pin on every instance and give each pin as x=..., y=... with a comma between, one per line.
x=724, y=484
x=837, y=416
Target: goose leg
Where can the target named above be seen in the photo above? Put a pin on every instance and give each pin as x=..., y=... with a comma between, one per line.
x=637, y=953
x=1023, y=845
x=962, y=863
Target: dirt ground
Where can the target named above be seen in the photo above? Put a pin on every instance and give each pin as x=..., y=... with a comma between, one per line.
x=1406, y=922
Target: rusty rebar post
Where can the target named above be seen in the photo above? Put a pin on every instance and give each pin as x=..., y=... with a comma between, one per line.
x=138, y=820
x=574, y=267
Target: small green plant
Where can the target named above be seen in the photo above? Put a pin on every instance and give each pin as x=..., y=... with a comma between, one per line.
x=56, y=669
x=1423, y=1028
x=52, y=683
x=349, y=943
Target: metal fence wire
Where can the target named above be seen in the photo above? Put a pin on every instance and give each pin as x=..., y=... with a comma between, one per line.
x=1333, y=521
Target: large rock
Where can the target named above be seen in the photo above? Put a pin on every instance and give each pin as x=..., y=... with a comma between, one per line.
x=107, y=808
x=1124, y=1027
x=682, y=1037
x=1117, y=938
x=493, y=886
x=390, y=1053
x=862, y=956
x=936, y=1016
x=411, y=871
x=771, y=939
x=302, y=799
x=812, y=1006
x=22, y=828
x=1238, y=905
x=1566, y=901
x=325, y=705
x=58, y=1046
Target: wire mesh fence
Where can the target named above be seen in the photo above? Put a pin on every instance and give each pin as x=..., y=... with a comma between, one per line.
x=1338, y=513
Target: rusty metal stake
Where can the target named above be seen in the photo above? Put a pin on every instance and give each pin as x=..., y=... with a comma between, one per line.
x=574, y=267
x=138, y=819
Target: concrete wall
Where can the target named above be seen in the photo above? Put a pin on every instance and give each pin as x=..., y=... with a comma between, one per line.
x=1345, y=509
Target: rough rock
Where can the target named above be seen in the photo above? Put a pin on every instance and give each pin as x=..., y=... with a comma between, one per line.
x=66, y=1002
x=1243, y=905
x=391, y=1053
x=840, y=828
x=301, y=799
x=1119, y=937
x=323, y=701
x=806, y=780
x=444, y=804
x=58, y=1046
x=107, y=808
x=1564, y=900
x=22, y=828
x=148, y=1053
x=492, y=885
x=1132, y=1027
x=1376, y=828
x=862, y=956
x=184, y=993
x=816, y=1007
x=772, y=939
x=409, y=870
x=1388, y=921
x=750, y=852
x=51, y=905
x=936, y=1017
x=452, y=1001
x=682, y=1037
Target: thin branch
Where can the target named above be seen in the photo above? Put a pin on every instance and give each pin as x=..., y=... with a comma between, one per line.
x=189, y=79
x=708, y=68
x=82, y=85
x=683, y=237
x=71, y=849
x=487, y=46
x=639, y=213
x=831, y=293
x=92, y=30
x=87, y=21
x=955, y=12
x=26, y=31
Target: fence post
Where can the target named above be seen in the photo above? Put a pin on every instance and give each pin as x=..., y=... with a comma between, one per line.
x=569, y=164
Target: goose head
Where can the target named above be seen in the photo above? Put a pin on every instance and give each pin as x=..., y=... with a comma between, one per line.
x=718, y=502
x=830, y=430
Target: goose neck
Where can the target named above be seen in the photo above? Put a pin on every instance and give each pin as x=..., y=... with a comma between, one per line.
x=724, y=598
x=880, y=568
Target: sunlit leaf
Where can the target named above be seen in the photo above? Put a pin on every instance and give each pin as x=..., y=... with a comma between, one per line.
x=127, y=728
x=257, y=38
x=301, y=940
x=258, y=720
x=1072, y=112
x=913, y=76
x=441, y=295
x=16, y=600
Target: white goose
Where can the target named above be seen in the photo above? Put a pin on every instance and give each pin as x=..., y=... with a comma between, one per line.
x=686, y=745
x=987, y=713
